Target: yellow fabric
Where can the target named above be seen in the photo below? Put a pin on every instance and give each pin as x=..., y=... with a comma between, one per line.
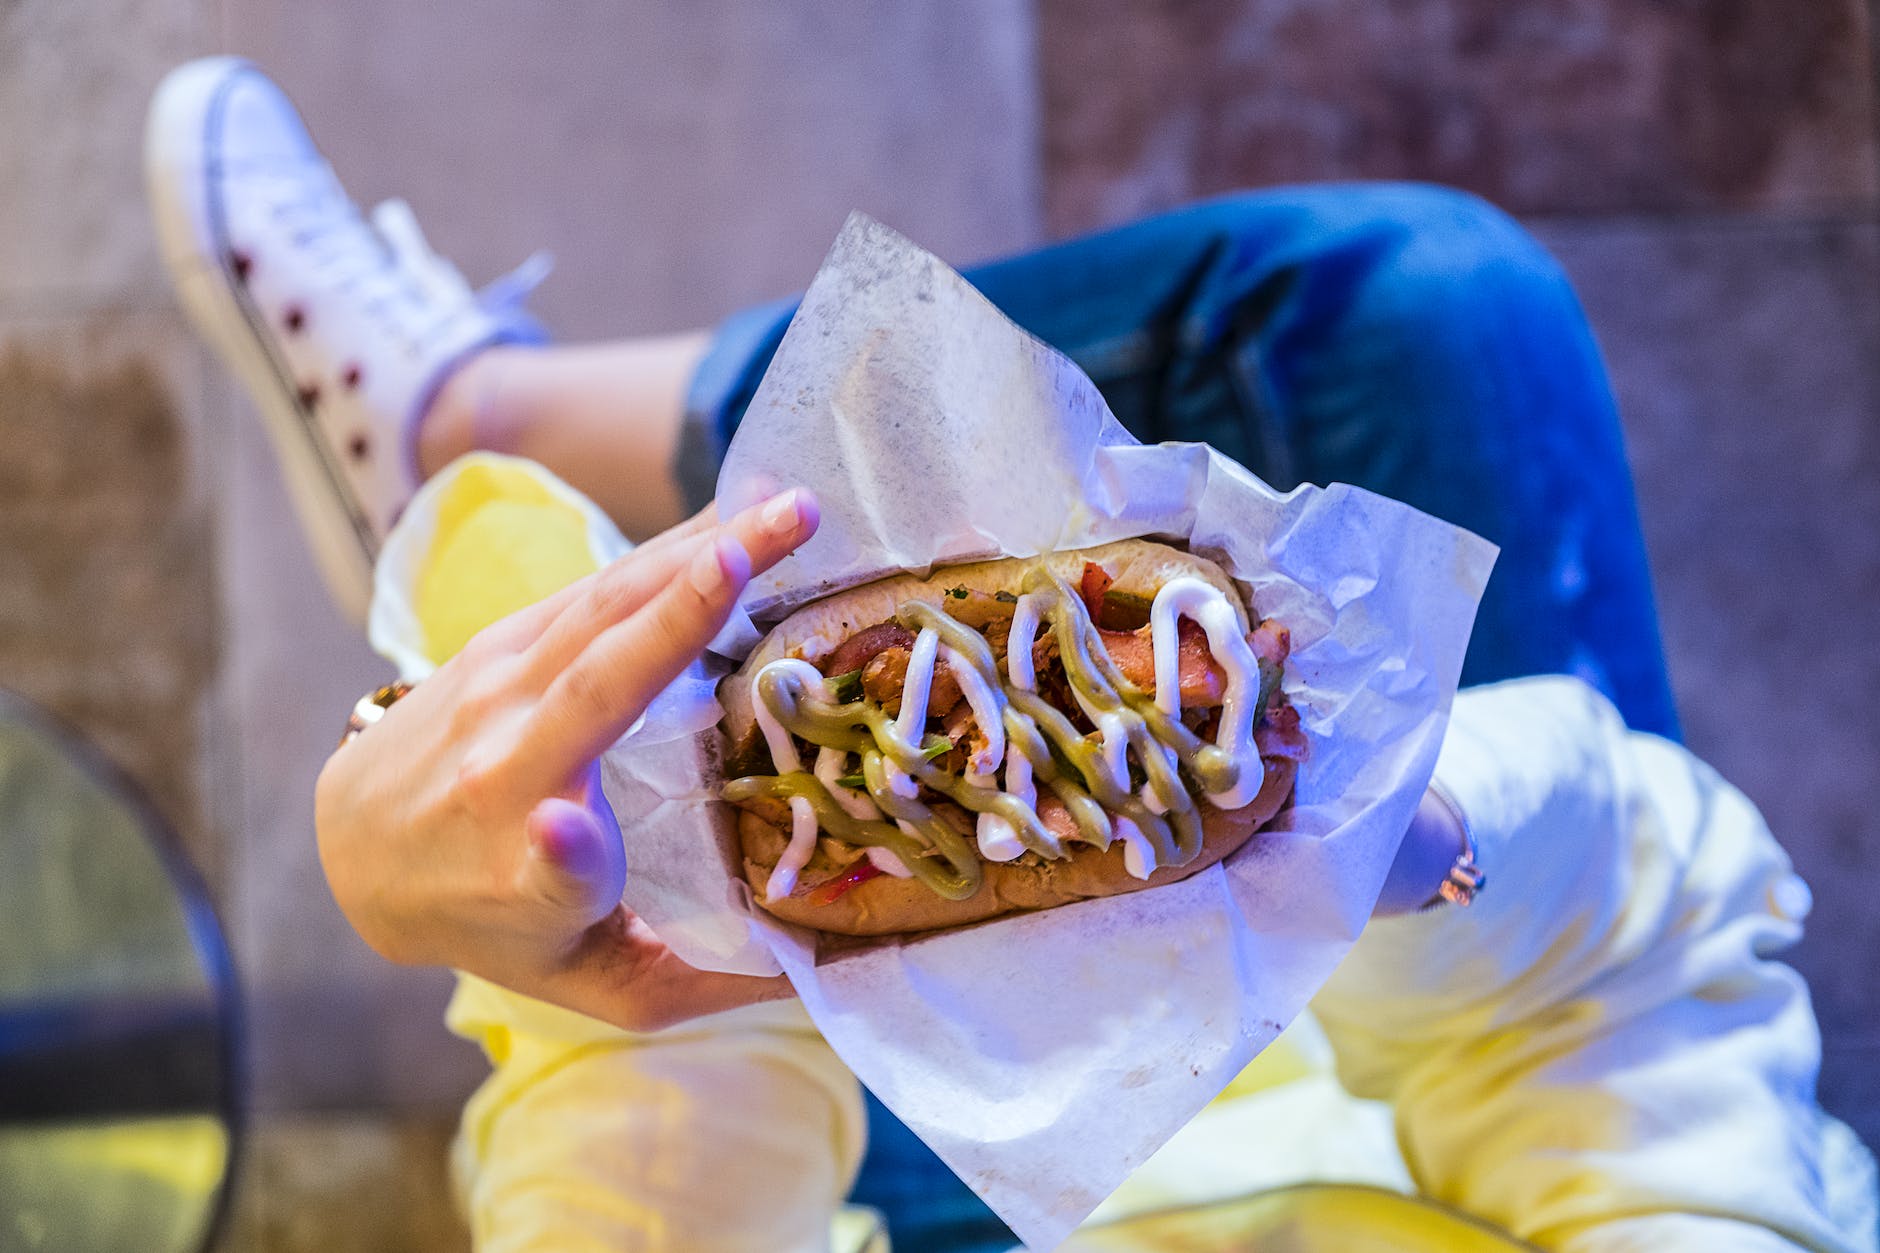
x=1599, y=1056
x=501, y=542
x=737, y=1132
x=106, y=1184
x=1316, y=1218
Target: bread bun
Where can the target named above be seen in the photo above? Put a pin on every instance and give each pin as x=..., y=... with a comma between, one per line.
x=885, y=905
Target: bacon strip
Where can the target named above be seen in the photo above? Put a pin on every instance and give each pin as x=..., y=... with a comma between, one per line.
x=1203, y=683
x=861, y=648
x=1092, y=586
x=1057, y=819
x=881, y=653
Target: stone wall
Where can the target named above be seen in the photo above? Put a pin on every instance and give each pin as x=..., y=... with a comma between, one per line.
x=1545, y=108
x=110, y=610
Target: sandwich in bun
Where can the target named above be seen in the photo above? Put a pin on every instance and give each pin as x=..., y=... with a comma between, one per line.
x=922, y=753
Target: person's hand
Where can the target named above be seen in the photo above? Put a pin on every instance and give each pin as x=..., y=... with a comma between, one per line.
x=467, y=827
x=1423, y=860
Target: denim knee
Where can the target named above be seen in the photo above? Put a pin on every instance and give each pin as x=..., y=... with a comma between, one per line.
x=1460, y=250
x=1426, y=251
x=1457, y=258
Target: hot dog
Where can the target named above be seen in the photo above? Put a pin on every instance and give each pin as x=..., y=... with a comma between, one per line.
x=921, y=753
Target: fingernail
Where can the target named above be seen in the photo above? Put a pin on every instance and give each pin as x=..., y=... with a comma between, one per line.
x=721, y=560
x=782, y=514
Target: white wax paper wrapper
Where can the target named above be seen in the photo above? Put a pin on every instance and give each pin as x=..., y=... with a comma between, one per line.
x=1046, y=1055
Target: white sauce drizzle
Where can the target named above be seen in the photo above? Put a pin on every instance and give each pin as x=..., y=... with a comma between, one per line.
x=912, y=832
x=1018, y=643
x=831, y=765
x=1018, y=779
x=1112, y=741
x=1204, y=603
x=987, y=711
x=1174, y=762
x=998, y=839
x=1138, y=853
x=912, y=722
x=782, y=748
x=783, y=755
x=886, y=862
x=1115, y=738
x=803, y=830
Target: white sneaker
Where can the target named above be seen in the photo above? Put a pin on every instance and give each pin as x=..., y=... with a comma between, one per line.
x=341, y=328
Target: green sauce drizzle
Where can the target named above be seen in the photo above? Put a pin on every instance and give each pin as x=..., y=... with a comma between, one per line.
x=943, y=858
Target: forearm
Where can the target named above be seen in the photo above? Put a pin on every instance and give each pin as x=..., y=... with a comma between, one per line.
x=1601, y=1038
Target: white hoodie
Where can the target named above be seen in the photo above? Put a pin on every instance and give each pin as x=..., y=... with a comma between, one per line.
x=1599, y=1056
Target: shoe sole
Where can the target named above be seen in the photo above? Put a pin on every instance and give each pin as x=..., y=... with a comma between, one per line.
x=180, y=167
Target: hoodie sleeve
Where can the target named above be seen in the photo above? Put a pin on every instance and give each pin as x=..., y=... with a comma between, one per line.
x=1601, y=1053
x=735, y=1132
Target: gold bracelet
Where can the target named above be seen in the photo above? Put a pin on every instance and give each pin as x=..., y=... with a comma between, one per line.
x=371, y=708
x=1465, y=878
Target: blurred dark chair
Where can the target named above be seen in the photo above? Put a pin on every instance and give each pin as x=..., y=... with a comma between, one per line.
x=120, y=1045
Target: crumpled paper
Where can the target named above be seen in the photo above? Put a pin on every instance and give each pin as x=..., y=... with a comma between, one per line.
x=1046, y=1055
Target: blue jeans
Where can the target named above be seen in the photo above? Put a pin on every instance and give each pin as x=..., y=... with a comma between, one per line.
x=1407, y=339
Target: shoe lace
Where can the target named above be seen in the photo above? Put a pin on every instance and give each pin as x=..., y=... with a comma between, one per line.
x=387, y=270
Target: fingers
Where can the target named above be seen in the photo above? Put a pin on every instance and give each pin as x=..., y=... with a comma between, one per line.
x=624, y=974
x=522, y=628
x=679, y=993
x=777, y=527
x=610, y=596
x=768, y=532
x=602, y=690
x=525, y=626
x=612, y=966
x=1429, y=849
x=574, y=866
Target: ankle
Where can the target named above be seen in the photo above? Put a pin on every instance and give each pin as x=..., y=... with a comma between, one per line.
x=464, y=413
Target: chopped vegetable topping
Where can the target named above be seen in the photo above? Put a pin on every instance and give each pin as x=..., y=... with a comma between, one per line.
x=846, y=687
x=834, y=890
x=1096, y=582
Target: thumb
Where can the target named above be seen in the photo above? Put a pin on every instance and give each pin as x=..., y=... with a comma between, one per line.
x=576, y=864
